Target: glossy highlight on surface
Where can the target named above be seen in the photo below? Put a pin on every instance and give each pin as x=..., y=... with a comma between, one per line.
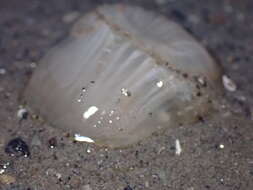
x=122, y=74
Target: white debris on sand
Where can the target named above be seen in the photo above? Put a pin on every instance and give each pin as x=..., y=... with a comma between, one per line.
x=125, y=92
x=228, y=84
x=92, y=110
x=89, y=150
x=22, y=112
x=81, y=138
x=4, y=167
x=159, y=84
x=178, y=147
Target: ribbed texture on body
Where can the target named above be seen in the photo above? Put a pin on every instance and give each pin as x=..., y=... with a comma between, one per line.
x=110, y=84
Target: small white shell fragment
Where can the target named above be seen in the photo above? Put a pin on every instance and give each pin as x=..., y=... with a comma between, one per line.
x=88, y=150
x=4, y=167
x=81, y=138
x=125, y=92
x=161, y=149
x=228, y=83
x=58, y=175
x=92, y=110
x=178, y=147
x=201, y=80
x=21, y=113
x=159, y=84
x=221, y=146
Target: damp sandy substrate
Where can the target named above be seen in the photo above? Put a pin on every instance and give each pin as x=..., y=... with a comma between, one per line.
x=216, y=153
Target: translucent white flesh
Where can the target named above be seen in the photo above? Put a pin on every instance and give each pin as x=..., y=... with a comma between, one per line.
x=118, y=77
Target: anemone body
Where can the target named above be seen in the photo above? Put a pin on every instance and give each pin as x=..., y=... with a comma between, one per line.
x=122, y=74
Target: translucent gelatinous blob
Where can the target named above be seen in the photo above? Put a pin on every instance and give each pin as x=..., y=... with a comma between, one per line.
x=122, y=74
